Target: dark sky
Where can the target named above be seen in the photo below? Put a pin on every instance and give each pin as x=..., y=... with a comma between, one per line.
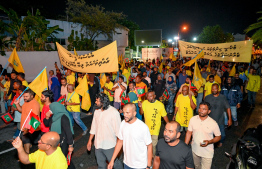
x=169, y=15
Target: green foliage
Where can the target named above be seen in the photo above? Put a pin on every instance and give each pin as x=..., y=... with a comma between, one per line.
x=257, y=27
x=214, y=34
x=94, y=20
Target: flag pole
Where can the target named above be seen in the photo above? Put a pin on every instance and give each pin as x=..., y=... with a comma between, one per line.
x=24, y=123
x=22, y=93
x=4, y=68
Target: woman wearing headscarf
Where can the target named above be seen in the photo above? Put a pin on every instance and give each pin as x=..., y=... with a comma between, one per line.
x=171, y=88
x=55, y=88
x=60, y=123
x=159, y=86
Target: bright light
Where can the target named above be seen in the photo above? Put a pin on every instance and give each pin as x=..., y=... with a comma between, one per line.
x=142, y=41
x=184, y=28
x=169, y=40
x=194, y=39
x=176, y=37
x=173, y=43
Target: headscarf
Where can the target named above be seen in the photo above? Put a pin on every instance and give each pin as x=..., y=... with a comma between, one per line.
x=159, y=81
x=58, y=111
x=170, y=82
x=55, y=82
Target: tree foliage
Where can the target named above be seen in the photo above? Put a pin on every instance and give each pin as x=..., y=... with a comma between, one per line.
x=214, y=34
x=257, y=27
x=94, y=20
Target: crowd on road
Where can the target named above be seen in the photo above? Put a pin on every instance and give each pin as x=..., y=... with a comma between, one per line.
x=128, y=109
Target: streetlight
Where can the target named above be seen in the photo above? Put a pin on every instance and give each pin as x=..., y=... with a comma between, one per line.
x=194, y=39
x=169, y=40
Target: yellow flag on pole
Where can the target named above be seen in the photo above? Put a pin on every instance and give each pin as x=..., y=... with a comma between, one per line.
x=75, y=52
x=208, y=67
x=161, y=67
x=233, y=71
x=40, y=83
x=197, y=80
x=102, y=79
x=198, y=56
x=15, y=61
x=82, y=89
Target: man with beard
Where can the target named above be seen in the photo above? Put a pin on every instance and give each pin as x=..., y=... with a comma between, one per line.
x=135, y=139
x=46, y=99
x=105, y=128
x=153, y=110
x=188, y=79
x=30, y=105
x=203, y=128
x=219, y=105
x=171, y=151
x=181, y=76
x=118, y=88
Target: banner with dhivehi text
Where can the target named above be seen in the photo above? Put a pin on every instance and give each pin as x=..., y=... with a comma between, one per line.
x=232, y=52
x=100, y=61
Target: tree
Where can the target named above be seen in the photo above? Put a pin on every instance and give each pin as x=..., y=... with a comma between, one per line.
x=214, y=34
x=257, y=27
x=79, y=43
x=94, y=20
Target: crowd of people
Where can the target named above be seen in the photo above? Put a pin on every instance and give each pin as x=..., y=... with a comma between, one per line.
x=167, y=91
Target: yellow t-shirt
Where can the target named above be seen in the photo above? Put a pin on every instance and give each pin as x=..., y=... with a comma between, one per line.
x=7, y=86
x=79, y=79
x=253, y=84
x=185, y=112
x=201, y=90
x=24, y=83
x=54, y=161
x=208, y=88
x=70, y=79
x=109, y=86
x=216, y=78
x=153, y=113
x=73, y=99
x=189, y=73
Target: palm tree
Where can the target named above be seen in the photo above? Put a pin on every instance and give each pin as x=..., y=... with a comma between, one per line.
x=257, y=27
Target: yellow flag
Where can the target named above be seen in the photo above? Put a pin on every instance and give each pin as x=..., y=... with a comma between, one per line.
x=82, y=89
x=208, y=67
x=160, y=67
x=198, y=56
x=161, y=57
x=173, y=58
x=102, y=79
x=75, y=52
x=197, y=80
x=233, y=71
x=40, y=83
x=170, y=56
x=15, y=61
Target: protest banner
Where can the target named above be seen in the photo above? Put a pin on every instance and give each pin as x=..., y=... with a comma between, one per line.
x=100, y=61
x=233, y=52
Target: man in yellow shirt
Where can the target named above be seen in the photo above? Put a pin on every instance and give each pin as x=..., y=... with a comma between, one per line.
x=216, y=77
x=70, y=77
x=73, y=106
x=21, y=77
x=107, y=89
x=253, y=86
x=49, y=155
x=153, y=110
x=208, y=86
x=185, y=105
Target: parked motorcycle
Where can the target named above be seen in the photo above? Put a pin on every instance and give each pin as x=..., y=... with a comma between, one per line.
x=247, y=153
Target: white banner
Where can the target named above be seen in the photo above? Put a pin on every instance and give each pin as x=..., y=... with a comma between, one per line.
x=151, y=53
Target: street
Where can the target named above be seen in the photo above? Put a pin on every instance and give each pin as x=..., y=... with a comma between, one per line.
x=86, y=160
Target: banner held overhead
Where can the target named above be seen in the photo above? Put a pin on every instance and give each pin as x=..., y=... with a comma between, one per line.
x=233, y=52
x=100, y=61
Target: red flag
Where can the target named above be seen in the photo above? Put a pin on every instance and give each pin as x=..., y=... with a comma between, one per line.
x=125, y=100
x=140, y=91
x=32, y=122
x=166, y=94
x=62, y=99
x=7, y=118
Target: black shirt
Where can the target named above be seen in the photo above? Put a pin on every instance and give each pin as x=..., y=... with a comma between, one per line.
x=174, y=157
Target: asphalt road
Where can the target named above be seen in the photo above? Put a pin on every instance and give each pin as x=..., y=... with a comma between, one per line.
x=86, y=160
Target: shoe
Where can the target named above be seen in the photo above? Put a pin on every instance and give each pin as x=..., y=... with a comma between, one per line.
x=235, y=123
x=89, y=114
x=84, y=133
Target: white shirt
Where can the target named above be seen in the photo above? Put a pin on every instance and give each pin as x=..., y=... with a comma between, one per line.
x=203, y=130
x=118, y=91
x=105, y=126
x=136, y=137
x=148, y=79
x=63, y=90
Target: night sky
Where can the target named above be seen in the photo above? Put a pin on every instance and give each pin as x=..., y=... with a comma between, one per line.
x=169, y=15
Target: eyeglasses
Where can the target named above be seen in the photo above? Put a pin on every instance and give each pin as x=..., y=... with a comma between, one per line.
x=41, y=142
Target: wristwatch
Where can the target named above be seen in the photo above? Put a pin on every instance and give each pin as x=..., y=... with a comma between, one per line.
x=148, y=167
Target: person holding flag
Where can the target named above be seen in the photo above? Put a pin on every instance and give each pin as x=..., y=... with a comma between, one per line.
x=47, y=98
x=107, y=89
x=30, y=106
x=118, y=88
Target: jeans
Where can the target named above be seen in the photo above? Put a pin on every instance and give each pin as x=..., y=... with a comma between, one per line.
x=105, y=155
x=223, y=134
x=76, y=116
x=251, y=97
x=71, y=117
x=233, y=114
x=127, y=167
x=199, y=100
